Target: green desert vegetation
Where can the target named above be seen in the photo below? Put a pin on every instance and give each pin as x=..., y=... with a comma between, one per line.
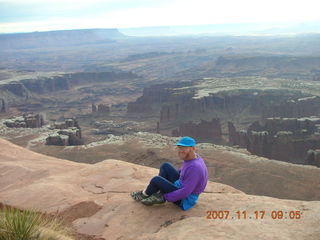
x=28, y=224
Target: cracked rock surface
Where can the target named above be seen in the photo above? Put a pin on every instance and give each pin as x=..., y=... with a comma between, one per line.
x=95, y=200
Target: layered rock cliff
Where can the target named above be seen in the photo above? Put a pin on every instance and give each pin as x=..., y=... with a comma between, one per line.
x=3, y=106
x=294, y=108
x=67, y=81
x=184, y=101
x=20, y=89
x=286, y=139
x=205, y=131
x=155, y=96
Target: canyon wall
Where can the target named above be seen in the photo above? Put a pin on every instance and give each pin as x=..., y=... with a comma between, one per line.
x=62, y=82
x=286, y=139
x=66, y=81
x=181, y=103
x=3, y=106
x=205, y=131
x=294, y=108
x=155, y=96
x=14, y=88
x=313, y=157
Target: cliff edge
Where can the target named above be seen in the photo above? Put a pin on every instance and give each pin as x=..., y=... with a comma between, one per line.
x=95, y=200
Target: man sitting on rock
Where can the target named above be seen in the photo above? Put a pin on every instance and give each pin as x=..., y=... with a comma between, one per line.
x=181, y=187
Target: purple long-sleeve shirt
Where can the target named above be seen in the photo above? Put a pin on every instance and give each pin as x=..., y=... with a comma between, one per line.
x=193, y=179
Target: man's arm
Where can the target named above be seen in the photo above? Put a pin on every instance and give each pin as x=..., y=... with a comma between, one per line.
x=189, y=183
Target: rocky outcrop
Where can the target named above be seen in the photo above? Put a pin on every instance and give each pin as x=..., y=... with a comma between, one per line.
x=102, y=108
x=41, y=84
x=94, y=199
x=156, y=95
x=205, y=131
x=313, y=157
x=238, y=138
x=58, y=140
x=16, y=88
x=115, y=127
x=3, y=106
x=48, y=84
x=294, y=108
x=286, y=139
x=139, y=106
x=93, y=108
x=183, y=101
x=230, y=104
x=69, y=134
x=26, y=121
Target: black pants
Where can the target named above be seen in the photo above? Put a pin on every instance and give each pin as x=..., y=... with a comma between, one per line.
x=164, y=181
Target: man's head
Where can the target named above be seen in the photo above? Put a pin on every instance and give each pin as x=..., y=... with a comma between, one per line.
x=186, y=148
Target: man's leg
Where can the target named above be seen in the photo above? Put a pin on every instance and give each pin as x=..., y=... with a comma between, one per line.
x=169, y=175
x=161, y=184
x=156, y=184
x=168, y=172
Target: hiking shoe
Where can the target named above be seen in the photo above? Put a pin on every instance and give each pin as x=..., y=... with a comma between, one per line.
x=138, y=196
x=155, y=198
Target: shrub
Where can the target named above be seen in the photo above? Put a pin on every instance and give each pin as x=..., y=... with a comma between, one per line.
x=18, y=224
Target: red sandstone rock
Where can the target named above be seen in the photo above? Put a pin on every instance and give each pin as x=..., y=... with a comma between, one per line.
x=95, y=199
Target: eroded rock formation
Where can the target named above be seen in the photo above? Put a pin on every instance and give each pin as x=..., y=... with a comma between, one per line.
x=69, y=134
x=3, y=106
x=313, y=157
x=15, y=88
x=102, y=108
x=237, y=137
x=286, y=139
x=294, y=108
x=93, y=108
x=43, y=84
x=204, y=131
x=26, y=121
x=185, y=101
x=155, y=96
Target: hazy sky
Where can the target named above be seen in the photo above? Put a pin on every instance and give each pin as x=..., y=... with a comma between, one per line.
x=43, y=15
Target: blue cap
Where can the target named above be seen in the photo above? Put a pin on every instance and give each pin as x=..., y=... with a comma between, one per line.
x=186, y=142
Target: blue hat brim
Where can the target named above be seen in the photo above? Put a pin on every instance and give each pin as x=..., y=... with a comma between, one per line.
x=184, y=145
